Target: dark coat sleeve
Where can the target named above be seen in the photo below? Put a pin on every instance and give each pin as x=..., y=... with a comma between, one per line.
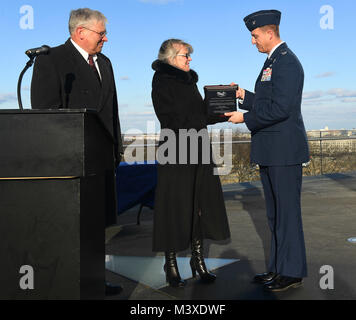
x=267, y=112
x=167, y=108
x=180, y=108
x=116, y=125
x=45, y=85
x=248, y=101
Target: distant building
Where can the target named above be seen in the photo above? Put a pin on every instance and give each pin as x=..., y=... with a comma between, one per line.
x=334, y=140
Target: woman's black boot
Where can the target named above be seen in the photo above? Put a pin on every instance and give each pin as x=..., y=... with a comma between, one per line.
x=197, y=262
x=171, y=270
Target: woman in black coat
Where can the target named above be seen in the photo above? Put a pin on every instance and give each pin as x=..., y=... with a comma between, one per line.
x=189, y=204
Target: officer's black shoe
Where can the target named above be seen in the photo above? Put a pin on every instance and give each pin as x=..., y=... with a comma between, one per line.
x=262, y=278
x=282, y=283
x=112, y=289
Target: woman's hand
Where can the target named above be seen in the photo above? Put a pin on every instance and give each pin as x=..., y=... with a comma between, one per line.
x=240, y=93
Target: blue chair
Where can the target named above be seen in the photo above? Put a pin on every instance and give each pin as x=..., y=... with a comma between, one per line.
x=136, y=184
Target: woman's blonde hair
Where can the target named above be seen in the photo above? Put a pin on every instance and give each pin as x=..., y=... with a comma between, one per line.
x=170, y=48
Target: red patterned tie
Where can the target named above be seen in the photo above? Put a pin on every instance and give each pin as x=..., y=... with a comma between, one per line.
x=92, y=65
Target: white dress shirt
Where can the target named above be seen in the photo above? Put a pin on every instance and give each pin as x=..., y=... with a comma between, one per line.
x=86, y=55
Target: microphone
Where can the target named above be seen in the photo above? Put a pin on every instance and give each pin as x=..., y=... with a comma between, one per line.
x=31, y=53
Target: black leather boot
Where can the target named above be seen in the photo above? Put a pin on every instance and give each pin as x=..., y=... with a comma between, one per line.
x=171, y=270
x=197, y=262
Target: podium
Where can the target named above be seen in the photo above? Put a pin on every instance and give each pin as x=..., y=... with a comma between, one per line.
x=52, y=199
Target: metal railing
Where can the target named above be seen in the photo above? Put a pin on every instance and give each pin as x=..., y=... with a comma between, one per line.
x=334, y=150
x=330, y=153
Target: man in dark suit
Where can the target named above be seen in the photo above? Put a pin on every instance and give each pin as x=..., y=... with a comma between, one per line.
x=279, y=146
x=77, y=75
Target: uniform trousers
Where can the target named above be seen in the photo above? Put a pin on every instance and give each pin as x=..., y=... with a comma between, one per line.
x=282, y=189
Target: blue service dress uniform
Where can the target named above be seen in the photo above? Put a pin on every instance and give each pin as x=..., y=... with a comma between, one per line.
x=279, y=146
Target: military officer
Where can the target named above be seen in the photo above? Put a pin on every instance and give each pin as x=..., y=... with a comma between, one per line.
x=279, y=146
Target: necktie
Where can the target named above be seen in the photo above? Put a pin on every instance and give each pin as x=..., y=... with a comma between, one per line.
x=92, y=65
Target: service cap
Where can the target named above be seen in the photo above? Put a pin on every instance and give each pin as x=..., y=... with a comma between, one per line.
x=262, y=18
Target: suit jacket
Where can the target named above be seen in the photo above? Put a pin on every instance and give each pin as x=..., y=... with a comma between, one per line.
x=274, y=112
x=63, y=79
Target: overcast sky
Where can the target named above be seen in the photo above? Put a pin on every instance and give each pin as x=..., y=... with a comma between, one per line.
x=319, y=33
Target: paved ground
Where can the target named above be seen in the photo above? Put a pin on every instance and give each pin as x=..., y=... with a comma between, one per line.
x=329, y=218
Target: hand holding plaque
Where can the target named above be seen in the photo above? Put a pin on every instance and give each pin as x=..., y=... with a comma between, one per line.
x=220, y=99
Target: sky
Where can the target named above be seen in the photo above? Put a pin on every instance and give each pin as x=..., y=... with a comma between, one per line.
x=319, y=32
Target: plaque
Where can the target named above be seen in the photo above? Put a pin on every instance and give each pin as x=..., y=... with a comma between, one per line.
x=220, y=99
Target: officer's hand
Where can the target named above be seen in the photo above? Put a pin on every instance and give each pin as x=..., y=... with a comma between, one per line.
x=235, y=117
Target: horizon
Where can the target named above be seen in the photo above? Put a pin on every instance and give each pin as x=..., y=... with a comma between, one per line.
x=237, y=131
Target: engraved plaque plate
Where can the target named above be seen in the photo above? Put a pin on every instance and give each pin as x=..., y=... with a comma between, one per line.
x=220, y=99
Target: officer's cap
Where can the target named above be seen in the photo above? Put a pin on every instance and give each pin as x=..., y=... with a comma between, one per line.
x=262, y=18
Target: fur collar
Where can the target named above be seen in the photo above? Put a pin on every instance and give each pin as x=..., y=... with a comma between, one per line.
x=172, y=72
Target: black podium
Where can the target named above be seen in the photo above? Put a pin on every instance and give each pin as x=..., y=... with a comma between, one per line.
x=52, y=200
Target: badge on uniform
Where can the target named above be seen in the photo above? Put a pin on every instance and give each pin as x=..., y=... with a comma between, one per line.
x=267, y=74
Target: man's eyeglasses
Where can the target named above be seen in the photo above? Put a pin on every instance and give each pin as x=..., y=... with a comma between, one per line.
x=101, y=34
x=187, y=55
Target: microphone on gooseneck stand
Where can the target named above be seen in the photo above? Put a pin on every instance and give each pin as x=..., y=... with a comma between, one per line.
x=32, y=54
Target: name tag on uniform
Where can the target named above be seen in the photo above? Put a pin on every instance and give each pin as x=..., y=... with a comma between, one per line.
x=267, y=74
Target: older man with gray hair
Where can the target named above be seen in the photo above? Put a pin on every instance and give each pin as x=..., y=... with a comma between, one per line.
x=77, y=75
